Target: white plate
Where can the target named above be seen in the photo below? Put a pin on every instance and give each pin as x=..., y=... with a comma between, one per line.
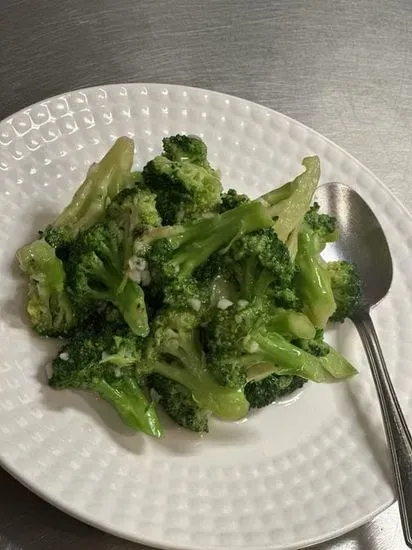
x=292, y=474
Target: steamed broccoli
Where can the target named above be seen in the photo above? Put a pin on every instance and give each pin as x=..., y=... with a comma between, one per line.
x=185, y=184
x=231, y=199
x=96, y=272
x=347, y=289
x=315, y=346
x=166, y=284
x=175, y=352
x=261, y=393
x=288, y=204
x=176, y=251
x=134, y=211
x=49, y=307
x=313, y=279
x=177, y=401
x=103, y=182
x=262, y=265
x=101, y=360
x=251, y=343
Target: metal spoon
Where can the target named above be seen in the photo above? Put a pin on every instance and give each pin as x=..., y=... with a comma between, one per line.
x=363, y=242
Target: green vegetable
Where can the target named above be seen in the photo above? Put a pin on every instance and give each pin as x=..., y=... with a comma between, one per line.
x=185, y=183
x=96, y=273
x=313, y=282
x=167, y=285
x=347, y=289
x=103, y=362
x=103, y=182
x=178, y=403
x=254, y=342
x=49, y=307
x=231, y=199
x=262, y=393
x=176, y=353
x=176, y=251
x=289, y=203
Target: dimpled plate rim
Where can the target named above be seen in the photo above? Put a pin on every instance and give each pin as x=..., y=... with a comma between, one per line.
x=39, y=141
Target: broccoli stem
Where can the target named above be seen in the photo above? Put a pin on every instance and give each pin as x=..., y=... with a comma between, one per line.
x=289, y=204
x=130, y=301
x=291, y=360
x=291, y=324
x=130, y=402
x=226, y=403
x=199, y=240
x=313, y=280
x=104, y=180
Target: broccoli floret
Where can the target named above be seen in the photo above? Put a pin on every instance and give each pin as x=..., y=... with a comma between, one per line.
x=176, y=251
x=60, y=238
x=313, y=280
x=347, y=289
x=96, y=272
x=103, y=182
x=49, y=307
x=210, y=283
x=183, y=148
x=178, y=403
x=185, y=184
x=287, y=298
x=231, y=199
x=134, y=211
x=135, y=206
x=253, y=343
x=175, y=352
x=315, y=346
x=262, y=393
x=102, y=361
x=262, y=265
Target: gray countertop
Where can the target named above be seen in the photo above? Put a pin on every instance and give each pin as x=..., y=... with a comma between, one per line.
x=343, y=67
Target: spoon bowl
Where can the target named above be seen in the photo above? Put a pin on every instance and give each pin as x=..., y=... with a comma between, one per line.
x=361, y=239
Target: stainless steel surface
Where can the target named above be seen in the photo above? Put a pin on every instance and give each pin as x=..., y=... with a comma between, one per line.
x=363, y=242
x=342, y=67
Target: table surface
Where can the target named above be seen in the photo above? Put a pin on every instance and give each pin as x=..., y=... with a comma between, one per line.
x=341, y=67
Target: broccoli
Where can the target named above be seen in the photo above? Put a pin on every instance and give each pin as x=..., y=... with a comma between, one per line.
x=177, y=401
x=231, y=199
x=315, y=346
x=209, y=283
x=262, y=265
x=102, y=360
x=261, y=393
x=175, y=352
x=103, y=182
x=176, y=251
x=288, y=204
x=134, y=211
x=96, y=272
x=183, y=148
x=185, y=184
x=49, y=307
x=313, y=280
x=347, y=289
x=249, y=344
x=136, y=206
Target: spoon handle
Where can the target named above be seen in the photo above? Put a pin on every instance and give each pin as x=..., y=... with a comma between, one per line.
x=397, y=432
